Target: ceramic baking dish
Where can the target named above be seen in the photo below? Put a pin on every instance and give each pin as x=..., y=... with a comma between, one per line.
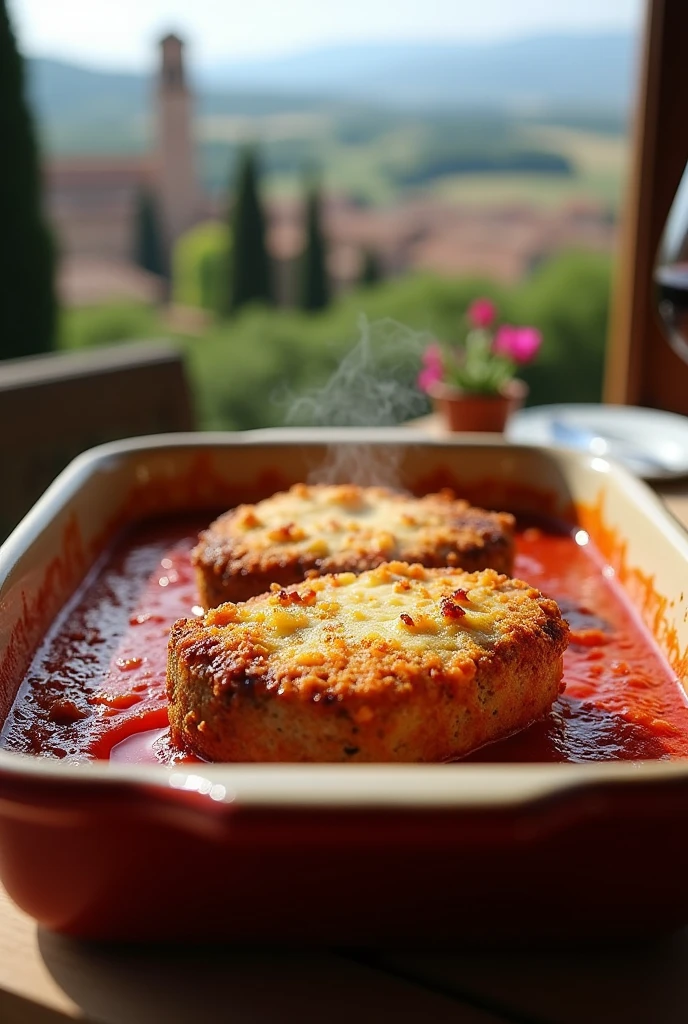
x=350, y=853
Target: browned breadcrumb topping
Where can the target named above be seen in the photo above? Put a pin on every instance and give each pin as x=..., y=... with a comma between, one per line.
x=399, y=663
x=320, y=529
x=340, y=634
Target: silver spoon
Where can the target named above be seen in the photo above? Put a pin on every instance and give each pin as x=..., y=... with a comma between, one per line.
x=632, y=455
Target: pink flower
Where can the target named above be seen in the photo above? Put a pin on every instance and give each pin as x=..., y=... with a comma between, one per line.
x=518, y=343
x=481, y=313
x=433, y=368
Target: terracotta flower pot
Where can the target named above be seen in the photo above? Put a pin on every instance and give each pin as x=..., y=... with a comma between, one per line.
x=466, y=410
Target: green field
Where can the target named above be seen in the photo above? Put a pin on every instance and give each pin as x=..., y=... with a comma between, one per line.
x=398, y=156
x=534, y=190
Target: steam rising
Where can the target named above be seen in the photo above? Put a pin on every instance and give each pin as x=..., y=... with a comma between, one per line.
x=371, y=387
x=374, y=386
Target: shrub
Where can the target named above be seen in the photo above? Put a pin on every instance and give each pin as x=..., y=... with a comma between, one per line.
x=100, y=325
x=200, y=267
x=250, y=373
x=568, y=299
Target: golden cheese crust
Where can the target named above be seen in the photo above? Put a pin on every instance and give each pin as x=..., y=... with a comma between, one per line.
x=320, y=529
x=399, y=663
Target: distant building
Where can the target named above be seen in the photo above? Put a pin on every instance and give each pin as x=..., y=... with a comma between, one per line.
x=428, y=233
x=91, y=201
x=177, y=184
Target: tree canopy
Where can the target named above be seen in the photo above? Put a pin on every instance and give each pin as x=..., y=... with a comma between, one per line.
x=250, y=273
x=148, y=244
x=315, y=289
x=27, y=257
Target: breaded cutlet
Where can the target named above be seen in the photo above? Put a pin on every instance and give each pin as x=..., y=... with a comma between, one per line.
x=399, y=663
x=320, y=529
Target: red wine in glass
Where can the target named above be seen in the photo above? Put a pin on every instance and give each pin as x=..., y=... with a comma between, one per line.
x=672, y=287
x=671, y=273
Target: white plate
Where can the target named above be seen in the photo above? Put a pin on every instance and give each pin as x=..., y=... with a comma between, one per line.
x=653, y=444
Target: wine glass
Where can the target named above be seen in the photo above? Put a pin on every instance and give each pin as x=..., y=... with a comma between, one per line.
x=671, y=273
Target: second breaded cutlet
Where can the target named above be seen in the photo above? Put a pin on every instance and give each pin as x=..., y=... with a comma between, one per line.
x=400, y=663
x=319, y=529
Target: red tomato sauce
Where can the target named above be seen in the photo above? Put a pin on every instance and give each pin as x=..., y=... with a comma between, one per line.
x=96, y=686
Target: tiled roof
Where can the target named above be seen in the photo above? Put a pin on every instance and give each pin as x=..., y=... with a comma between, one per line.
x=79, y=171
x=86, y=281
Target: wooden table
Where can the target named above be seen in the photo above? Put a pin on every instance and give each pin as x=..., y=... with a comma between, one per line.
x=46, y=979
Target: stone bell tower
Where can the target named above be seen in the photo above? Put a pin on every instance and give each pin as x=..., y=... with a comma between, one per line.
x=176, y=164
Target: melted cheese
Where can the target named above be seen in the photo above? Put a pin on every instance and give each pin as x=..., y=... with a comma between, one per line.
x=323, y=520
x=393, y=607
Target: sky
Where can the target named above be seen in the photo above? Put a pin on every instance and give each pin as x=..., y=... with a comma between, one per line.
x=122, y=33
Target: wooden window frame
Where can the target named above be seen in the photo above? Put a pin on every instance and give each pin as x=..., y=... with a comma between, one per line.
x=641, y=368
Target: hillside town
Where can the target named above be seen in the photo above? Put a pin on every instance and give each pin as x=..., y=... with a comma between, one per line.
x=92, y=201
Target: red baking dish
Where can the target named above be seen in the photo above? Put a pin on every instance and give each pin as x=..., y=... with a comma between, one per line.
x=466, y=852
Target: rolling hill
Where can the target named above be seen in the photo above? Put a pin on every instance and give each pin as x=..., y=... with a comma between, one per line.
x=541, y=74
x=375, y=118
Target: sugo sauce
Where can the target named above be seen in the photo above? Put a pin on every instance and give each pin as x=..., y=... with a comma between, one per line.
x=96, y=686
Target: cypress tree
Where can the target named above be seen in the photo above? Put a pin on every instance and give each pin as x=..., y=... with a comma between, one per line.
x=249, y=269
x=27, y=256
x=315, y=291
x=148, y=245
x=371, y=271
